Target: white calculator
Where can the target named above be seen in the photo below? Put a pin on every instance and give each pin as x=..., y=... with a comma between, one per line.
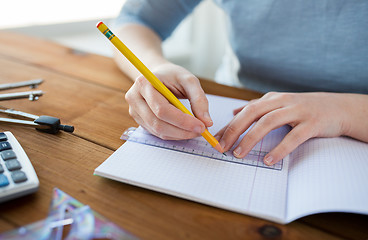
x=17, y=176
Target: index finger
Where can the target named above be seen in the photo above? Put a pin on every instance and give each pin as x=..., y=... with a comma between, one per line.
x=244, y=119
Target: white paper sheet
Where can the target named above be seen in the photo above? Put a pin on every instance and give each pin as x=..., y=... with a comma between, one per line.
x=328, y=175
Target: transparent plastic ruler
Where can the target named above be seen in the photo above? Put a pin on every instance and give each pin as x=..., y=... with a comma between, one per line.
x=196, y=146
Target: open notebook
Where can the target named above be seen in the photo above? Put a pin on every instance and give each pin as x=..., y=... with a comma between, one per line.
x=321, y=175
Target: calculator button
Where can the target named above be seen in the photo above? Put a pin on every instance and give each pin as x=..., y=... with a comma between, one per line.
x=3, y=180
x=3, y=137
x=1, y=168
x=19, y=176
x=8, y=154
x=4, y=146
x=13, y=164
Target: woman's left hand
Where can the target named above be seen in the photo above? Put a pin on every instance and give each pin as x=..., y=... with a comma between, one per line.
x=310, y=115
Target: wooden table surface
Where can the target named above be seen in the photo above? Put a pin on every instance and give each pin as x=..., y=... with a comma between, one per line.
x=87, y=91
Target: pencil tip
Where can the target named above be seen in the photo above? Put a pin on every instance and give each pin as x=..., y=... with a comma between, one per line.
x=224, y=154
x=219, y=148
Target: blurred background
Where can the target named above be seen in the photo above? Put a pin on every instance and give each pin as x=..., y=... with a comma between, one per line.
x=198, y=44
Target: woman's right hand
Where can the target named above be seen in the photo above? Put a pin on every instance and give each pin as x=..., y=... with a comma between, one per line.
x=157, y=115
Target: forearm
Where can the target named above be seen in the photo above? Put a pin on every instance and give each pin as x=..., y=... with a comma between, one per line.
x=144, y=43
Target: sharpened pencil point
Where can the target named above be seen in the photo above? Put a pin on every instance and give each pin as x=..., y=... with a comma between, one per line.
x=224, y=154
x=218, y=148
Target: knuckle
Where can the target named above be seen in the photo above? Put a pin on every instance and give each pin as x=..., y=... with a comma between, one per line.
x=140, y=80
x=231, y=130
x=301, y=135
x=163, y=137
x=251, y=108
x=131, y=112
x=286, y=97
x=267, y=120
x=313, y=132
x=270, y=118
x=201, y=100
x=283, y=148
x=191, y=79
x=280, y=96
x=157, y=127
x=184, y=123
x=253, y=101
x=315, y=119
x=159, y=111
x=250, y=137
x=269, y=95
x=281, y=151
x=128, y=96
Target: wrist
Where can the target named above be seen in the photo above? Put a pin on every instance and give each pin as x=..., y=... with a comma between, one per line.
x=355, y=123
x=153, y=62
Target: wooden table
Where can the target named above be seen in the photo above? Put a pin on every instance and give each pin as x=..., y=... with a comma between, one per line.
x=87, y=91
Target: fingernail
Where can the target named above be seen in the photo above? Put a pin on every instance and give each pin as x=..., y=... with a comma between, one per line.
x=237, y=152
x=207, y=117
x=223, y=144
x=217, y=137
x=268, y=160
x=198, y=129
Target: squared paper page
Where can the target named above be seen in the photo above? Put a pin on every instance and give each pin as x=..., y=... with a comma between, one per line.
x=328, y=175
x=242, y=188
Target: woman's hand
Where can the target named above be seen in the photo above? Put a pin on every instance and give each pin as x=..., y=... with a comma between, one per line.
x=156, y=114
x=309, y=114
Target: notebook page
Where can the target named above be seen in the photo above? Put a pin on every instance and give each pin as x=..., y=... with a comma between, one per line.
x=268, y=188
x=326, y=175
x=242, y=188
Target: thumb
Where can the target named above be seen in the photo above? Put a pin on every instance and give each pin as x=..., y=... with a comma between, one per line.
x=199, y=106
x=197, y=99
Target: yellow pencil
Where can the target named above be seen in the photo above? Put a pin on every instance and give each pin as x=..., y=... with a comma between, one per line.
x=153, y=79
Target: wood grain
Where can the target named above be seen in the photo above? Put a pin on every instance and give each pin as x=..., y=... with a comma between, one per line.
x=53, y=57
